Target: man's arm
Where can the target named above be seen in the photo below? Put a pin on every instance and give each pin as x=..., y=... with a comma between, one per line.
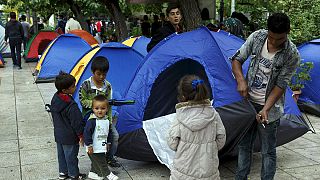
x=237, y=60
x=242, y=87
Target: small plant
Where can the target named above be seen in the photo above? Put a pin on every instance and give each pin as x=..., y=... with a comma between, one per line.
x=301, y=76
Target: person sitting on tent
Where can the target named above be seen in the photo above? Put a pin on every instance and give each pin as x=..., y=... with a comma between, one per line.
x=274, y=59
x=14, y=32
x=174, y=16
x=197, y=133
x=97, y=84
x=72, y=24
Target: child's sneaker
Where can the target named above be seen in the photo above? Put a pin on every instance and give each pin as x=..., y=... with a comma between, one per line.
x=111, y=176
x=79, y=177
x=94, y=176
x=63, y=176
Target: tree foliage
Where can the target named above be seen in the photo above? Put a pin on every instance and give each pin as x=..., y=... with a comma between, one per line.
x=304, y=16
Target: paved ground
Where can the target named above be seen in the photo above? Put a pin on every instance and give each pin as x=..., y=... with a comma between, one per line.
x=27, y=147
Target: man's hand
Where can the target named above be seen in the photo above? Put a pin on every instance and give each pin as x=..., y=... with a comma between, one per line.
x=81, y=142
x=262, y=116
x=243, y=88
x=90, y=150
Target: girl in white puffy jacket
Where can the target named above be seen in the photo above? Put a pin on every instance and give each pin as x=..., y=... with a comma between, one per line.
x=197, y=133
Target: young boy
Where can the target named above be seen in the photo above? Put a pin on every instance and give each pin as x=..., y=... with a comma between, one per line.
x=97, y=84
x=97, y=137
x=68, y=127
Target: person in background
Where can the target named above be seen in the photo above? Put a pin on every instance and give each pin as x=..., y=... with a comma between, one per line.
x=162, y=19
x=234, y=25
x=145, y=26
x=155, y=25
x=72, y=24
x=274, y=59
x=174, y=16
x=196, y=134
x=14, y=33
x=61, y=23
x=26, y=29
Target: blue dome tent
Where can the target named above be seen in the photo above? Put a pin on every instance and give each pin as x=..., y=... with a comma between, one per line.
x=309, y=100
x=123, y=63
x=199, y=52
x=138, y=43
x=61, y=55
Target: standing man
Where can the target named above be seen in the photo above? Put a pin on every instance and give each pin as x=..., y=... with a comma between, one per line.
x=174, y=16
x=14, y=32
x=26, y=28
x=274, y=58
x=61, y=23
x=72, y=24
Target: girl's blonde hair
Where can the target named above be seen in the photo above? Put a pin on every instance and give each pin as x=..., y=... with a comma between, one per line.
x=192, y=88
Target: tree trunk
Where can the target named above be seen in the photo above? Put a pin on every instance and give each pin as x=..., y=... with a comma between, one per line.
x=190, y=14
x=76, y=10
x=118, y=17
x=35, y=21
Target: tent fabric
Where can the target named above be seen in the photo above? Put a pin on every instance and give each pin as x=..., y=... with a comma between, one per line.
x=138, y=43
x=123, y=63
x=59, y=31
x=4, y=48
x=61, y=55
x=1, y=61
x=153, y=88
x=309, y=100
x=44, y=54
x=37, y=45
x=78, y=69
x=85, y=36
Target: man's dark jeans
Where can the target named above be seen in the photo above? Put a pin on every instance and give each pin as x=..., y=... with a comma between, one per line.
x=267, y=138
x=15, y=48
x=68, y=159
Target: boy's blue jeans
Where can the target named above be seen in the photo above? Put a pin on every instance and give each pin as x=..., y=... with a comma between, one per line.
x=267, y=138
x=68, y=159
x=114, y=143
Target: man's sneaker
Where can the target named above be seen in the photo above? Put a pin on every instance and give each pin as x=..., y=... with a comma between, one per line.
x=63, y=176
x=111, y=176
x=114, y=163
x=94, y=176
x=79, y=177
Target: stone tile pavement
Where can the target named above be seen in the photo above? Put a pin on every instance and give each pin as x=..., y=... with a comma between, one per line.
x=28, y=152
